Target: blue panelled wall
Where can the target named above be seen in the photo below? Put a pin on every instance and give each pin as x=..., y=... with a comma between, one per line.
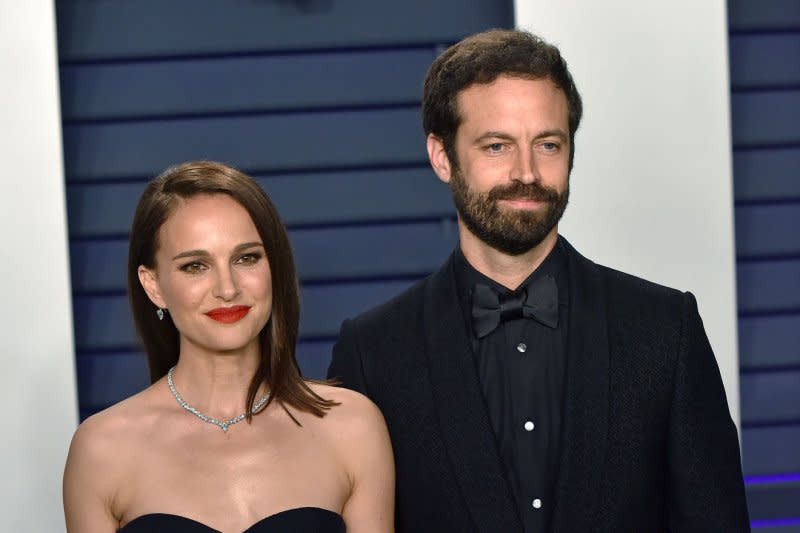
x=765, y=112
x=319, y=99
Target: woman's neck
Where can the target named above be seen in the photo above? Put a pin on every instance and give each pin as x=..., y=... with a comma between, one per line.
x=216, y=383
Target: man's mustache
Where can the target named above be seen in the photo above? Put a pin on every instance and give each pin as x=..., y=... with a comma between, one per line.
x=523, y=191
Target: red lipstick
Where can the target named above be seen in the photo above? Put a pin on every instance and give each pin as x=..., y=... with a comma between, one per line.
x=228, y=315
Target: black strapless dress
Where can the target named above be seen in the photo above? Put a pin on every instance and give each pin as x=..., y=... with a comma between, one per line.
x=300, y=520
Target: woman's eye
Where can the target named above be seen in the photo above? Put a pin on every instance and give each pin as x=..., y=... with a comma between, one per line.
x=193, y=268
x=249, y=259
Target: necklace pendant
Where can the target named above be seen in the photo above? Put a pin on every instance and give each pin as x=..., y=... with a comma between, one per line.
x=224, y=427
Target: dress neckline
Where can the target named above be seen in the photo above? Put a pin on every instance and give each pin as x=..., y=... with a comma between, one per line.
x=260, y=522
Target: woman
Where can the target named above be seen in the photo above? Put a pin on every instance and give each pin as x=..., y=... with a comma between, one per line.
x=229, y=437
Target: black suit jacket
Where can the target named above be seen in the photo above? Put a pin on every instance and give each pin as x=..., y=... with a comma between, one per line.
x=648, y=443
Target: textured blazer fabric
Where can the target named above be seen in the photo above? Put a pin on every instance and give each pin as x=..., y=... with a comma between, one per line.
x=648, y=443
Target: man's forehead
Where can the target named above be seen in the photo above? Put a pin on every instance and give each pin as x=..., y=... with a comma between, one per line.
x=506, y=76
x=490, y=97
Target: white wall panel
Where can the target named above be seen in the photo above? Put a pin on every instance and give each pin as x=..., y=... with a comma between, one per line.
x=37, y=385
x=652, y=183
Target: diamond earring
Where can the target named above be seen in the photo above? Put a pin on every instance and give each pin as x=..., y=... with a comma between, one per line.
x=160, y=313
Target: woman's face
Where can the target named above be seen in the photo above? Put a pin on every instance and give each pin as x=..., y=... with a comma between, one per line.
x=212, y=275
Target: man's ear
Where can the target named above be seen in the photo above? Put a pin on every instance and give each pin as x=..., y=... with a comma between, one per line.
x=150, y=285
x=438, y=158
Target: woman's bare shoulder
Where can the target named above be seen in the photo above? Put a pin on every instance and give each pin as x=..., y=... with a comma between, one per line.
x=103, y=434
x=359, y=434
x=102, y=456
x=350, y=404
x=355, y=419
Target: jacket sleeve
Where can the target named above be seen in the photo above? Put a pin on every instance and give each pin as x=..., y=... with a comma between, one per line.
x=707, y=488
x=346, y=364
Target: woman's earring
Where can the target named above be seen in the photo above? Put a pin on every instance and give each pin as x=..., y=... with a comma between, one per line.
x=160, y=313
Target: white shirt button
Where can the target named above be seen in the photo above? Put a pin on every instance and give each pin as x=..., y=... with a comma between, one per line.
x=537, y=503
x=521, y=347
x=528, y=426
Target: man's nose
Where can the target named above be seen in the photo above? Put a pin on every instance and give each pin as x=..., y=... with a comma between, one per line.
x=525, y=167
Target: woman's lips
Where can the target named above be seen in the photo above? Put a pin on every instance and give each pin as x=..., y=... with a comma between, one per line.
x=228, y=315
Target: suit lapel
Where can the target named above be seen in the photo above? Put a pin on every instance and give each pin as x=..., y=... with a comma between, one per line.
x=466, y=430
x=585, y=414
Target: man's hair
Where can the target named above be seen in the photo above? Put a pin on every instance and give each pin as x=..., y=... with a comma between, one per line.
x=481, y=59
x=277, y=366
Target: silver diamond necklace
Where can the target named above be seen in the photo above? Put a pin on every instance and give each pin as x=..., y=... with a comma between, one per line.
x=223, y=424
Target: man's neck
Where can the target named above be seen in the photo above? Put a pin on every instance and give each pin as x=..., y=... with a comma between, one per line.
x=508, y=270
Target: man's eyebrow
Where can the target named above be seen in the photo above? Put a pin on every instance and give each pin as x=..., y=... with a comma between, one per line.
x=204, y=253
x=494, y=135
x=561, y=134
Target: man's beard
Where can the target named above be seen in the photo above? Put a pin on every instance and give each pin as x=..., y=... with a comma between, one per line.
x=511, y=231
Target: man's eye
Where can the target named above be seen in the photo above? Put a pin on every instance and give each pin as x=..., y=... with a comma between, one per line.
x=550, y=146
x=494, y=147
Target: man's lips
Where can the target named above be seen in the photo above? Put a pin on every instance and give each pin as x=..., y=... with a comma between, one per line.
x=228, y=315
x=522, y=202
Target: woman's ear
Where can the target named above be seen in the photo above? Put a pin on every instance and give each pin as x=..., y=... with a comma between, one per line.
x=149, y=281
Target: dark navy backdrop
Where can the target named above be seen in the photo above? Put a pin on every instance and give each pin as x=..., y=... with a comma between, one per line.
x=319, y=99
x=765, y=102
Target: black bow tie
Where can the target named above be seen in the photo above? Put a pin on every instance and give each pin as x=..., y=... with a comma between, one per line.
x=539, y=301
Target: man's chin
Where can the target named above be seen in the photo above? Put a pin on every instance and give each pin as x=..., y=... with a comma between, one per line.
x=513, y=248
x=520, y=240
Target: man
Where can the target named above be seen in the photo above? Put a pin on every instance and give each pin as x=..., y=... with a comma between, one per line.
x=525, y=387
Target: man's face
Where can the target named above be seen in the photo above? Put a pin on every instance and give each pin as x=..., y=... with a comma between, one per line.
x=510, y=182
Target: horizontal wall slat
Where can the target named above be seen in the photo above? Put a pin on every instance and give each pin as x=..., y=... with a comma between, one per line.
x=320, y=254
x=746, y=15
x=765, y=117
x=771, y=450
x=98, y=265
x=773, y=501
x=90, y=30
x=769, y=341
x=781, y=527
x=97, y=210
x=770, y=397
x=373, y=251
x=106, y=378
x=255, y=143
x=766, y=174
x=762, y=60
x=187, y=87
x=103, y=321
x=768, y=229
x=768, y=285
x=314, y=358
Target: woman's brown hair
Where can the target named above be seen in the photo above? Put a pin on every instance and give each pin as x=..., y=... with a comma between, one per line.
x=277, y=365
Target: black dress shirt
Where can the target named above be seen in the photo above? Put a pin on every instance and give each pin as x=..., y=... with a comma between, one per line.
x=521, y=367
